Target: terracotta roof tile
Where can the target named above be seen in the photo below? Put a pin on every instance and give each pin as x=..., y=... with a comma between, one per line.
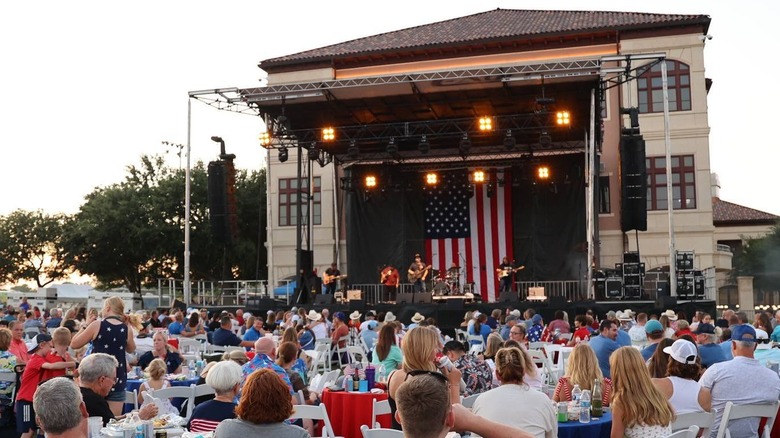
x=497, y=24
x=724, y=212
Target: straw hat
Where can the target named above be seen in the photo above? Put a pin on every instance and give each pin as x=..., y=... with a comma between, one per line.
x=355, y=315
x=670, y=314
x=417, y=318
x=313, y=315
x=389, y=317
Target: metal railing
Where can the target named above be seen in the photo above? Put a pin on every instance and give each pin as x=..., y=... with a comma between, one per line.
x=570, y=290
x=214, y=293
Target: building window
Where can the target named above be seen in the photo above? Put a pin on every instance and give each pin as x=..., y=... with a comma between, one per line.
x=288, y=201
x=651, y=93
x=683, y=183
x=604, y=205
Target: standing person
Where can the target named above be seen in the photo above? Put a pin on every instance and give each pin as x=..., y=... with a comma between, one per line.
x=637, y=331
x=418, y=272
x=18, y=348
x=638, y=407
x=7, y=365
x=391, y=279
x=114, y=336
x=741, y=380
x=58, y=354
x=505, y=272
x=331, y=278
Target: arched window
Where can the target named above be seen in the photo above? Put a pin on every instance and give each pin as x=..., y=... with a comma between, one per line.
x=651, y=93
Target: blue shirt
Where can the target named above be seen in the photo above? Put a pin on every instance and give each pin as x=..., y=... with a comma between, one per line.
x=711, y=354
x=369, y=337
x=262, y=361
x=224, y=337
x=623, y=339
x=172, y=361
x=53, y=323
x=251, y=334
x=484, y=330
x=175, y=328
x=603, y=347
x=726, y=347
x=649, y=351
x=306, y=340
x=535, y=333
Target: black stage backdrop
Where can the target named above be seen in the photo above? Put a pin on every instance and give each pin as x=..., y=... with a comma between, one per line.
x=548, y=220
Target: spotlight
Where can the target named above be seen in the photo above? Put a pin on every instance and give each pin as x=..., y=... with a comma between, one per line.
x=370, y=181
x=509, y=140
x=353, y=151
x=478, y=176
x=545, y=140
x=392, y=148
x=490, y=190
x=283, y=155
x=265, y=138
x=465, y=145
x=432, y=179
x=543, y=172
x=562, y=118
x=328, y=134
x=424, y=146
x=485, y=124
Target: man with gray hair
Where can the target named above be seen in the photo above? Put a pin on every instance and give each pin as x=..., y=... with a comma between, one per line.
x=60, y=410
x=97, y=373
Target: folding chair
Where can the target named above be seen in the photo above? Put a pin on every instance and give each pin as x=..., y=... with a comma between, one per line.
x=690, y=432
x=131, y=398
x=185, y=392
x=357, y=354
x=318, y=412
x=702, y=419
x=476, y=344
x=380, y=433
x=734, y=412
x=380, y=407
x=468, y=402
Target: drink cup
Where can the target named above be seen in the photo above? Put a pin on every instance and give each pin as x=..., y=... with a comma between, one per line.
x=95, y=424
x=563, y=412
x=370, y=376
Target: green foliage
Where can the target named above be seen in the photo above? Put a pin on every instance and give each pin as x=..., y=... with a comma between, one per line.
x=29, y=247
x=760, y=258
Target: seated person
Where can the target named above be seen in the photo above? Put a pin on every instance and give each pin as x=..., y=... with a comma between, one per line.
x=225, y=377
x=477, y=374
x=224, y=336
x=162, y=350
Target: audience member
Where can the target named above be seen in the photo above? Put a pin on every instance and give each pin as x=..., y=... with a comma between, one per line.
x=175, y=327
x=61, y=410
x=265, y=356
x=18, y=348
x=224, y=336
x=477, y=374
x=681, y=386
x=225, y=378
x=386, y=352
x=518, y=334
x=658, y=363
x=510, y=321
x=536, y=328
x=58, y=355
x=655, y=332
x=369, y=335
x=256, y=331
x=582, y=369
x=193, y=327
x=55, y=320
x=7, y=365
x=637, y=332
x=709, y=352
x=162, y=350
x=604, y=344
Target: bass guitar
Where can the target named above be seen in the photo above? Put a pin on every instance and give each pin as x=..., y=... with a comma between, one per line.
x=508, y=271
x=328, y=279
x=414, y=276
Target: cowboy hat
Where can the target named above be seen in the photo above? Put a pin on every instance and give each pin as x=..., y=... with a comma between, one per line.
x=623, y=316
x=355, y=315
x=670, y=314
x=389, y=317
x=417, y=318
x=313, y=315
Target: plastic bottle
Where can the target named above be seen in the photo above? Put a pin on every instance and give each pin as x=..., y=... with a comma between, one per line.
x=348, y=383
x=192, y=370
x=597, y=408
x=576, y=394
x=585, y=407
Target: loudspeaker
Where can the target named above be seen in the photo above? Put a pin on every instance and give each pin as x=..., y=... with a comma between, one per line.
x=505, y=297
x=261, y=303
x=323, y=299
x=684, y=260
x=423, y=297
x=631, y=257
x=633, y=183
x=556, y=301
x=217, y=199
x=404, y=298
x=357, y=304
x=306, y=259
x=665, y=302
x=613, y=288
x=454, y=304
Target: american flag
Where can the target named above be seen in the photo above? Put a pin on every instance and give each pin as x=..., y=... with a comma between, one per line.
x=472, y=232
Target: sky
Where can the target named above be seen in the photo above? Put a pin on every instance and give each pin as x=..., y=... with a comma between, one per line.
x=90, y=86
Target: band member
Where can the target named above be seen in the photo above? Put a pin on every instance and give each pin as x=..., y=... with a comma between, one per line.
x=331, y=278
x=391, y=279
x=418, y=272
x=505, y=272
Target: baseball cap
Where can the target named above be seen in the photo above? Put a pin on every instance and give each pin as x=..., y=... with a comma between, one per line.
x=341, y=316
x=762, y=337
x=743, y=332
x=516, y=313
x=704, y=329
x=653, y=326
x=372, y=324
x=32, y=347
x=536, y=319
x=682, y=351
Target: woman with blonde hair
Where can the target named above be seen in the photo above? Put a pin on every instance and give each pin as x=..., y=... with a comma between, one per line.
x=582, y=368
x=638, y=407
x=538, y=416
x=156, y=381
x=116, y=338
x=161, y=350
x=494, y=343
x=421, y=349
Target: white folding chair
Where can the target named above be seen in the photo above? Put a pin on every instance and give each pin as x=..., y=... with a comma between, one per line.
x=536, y=345
x=340, y=351
x=761, y=410
x=690, y=432
x=461, y=335
x=380, y=433
x=234, y=348
x=476, y=343
x=321, y=358
x=300, y=397
x=545, y=366
x=31, y=332
x=380, y=407
x=702, y=419
x=131, y=398
x=357, y=354
x=201, y=390
x=325, y=345
x=318, y=412
x=185, y=392
x=468, y=402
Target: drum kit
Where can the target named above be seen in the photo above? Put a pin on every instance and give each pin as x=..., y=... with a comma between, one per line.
x=447, y=282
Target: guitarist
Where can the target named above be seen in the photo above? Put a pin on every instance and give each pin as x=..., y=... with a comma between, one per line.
x=390, y=279
x=330, y=278
x=505, y=271
x=417, y=273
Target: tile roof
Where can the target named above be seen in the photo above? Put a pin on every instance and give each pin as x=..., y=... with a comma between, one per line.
x=724, y=212
x=495, y=25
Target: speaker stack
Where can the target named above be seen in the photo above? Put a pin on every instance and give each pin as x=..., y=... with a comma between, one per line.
x=627, y=280
x=690, y=282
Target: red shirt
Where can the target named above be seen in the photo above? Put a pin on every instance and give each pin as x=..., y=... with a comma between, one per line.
x=31, y=377
x=53, y=357
x=581, y=334
x=339, y=332
x=19, y=349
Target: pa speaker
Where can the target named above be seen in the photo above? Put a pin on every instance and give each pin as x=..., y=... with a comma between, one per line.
x=506, y=297
x=323, y=299
x=666, y=302
x=404, y=298
x=423, y=297
x=218, y=204
x=357, y=304
x=557, y=301
x=261, y=303
x=454, y=304
x=614, y=288
x=633, y=183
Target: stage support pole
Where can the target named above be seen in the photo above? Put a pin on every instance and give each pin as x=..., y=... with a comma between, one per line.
x=187, y=280
x=590, y=164
x=336, y=222
x=669, y=193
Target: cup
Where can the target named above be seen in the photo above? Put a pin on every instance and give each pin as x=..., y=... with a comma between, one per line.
x=370, y=376
x=148, y=429
x=563, y=412
x=95, y=424
x=363, y=386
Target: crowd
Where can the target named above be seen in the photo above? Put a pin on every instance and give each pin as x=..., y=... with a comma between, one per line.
x=648, y=368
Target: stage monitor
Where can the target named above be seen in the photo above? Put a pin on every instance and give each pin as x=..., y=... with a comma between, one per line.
x=506, y=297
x=323, y=299
x=454, y=304
x=357, y=305
x=404, y=298
x=423, y=297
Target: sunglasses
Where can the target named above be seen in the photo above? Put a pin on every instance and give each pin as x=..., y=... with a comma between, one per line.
x=436, y=374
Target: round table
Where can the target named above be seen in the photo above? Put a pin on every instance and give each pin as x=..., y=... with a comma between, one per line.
x=597, y=428
x=135, y=384
x=350, y=410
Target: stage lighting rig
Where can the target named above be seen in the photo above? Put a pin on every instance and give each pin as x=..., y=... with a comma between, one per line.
x=265, y=139
x=485, y=124
x=353, y=151
x=543, y=172
x=392, y=147
x=284, y=154
x=424, y=147
x=464, y=146
x=328, y=134
x=509, y=140
x=431, y=178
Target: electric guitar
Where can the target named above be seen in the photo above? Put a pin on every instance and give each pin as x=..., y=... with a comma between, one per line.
x=419, y=274
x=328, y=279
x=508, y=271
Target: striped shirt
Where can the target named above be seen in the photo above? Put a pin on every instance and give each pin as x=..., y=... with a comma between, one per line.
x=207, y=415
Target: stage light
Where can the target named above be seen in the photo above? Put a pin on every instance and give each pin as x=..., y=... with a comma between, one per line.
x=465, y=145
x=470, y=190
x=562, y=118
x=478, y=176
x=432, y=179
x=392, y=148
x=314, y=151
x=328, y=134
x=543, y=172
x=509, y=140
x=283, y=155
x=370, y=181
x=424, y=147
x=490, y=191
x=353, y=151
x=485, y=124
x=265, y=138
x=545, y=140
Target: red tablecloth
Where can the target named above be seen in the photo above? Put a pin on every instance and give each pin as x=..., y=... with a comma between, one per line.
x=349, y=410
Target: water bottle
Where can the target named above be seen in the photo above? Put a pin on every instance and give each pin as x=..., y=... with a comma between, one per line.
x=576, y=394
x=348, y=383
x=585, y=407
x=193, y=372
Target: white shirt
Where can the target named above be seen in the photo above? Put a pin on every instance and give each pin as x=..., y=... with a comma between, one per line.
x=637, y=333
x=537, y=416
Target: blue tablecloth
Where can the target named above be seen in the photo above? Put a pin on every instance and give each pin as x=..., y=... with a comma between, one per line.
x=134, y=384
x=597, y=428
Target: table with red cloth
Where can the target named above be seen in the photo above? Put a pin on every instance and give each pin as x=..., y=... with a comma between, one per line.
x=350, y=410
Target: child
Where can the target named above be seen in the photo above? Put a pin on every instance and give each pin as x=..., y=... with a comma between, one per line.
x=32, y=376
x=156, y=370
x=60, y=340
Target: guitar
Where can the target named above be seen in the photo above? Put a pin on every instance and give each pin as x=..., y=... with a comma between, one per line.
x=508, y=271
x=419, y=274
x=328, y=279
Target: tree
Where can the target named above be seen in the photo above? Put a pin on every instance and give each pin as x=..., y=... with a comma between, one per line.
x=760, y=258
x=29, y=247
